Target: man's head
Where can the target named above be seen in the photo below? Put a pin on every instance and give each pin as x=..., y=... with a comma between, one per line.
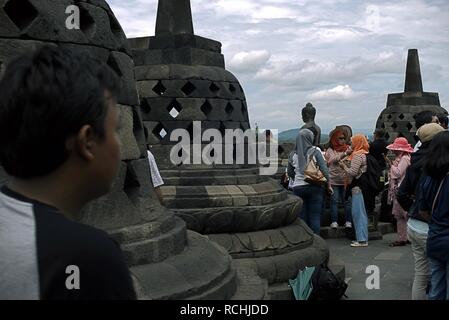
x=308, y=113
x=443, y=119
x=379, y=134
x=425, y=117
x=58, y=108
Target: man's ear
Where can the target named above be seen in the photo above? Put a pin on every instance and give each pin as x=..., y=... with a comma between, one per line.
x=84, y=142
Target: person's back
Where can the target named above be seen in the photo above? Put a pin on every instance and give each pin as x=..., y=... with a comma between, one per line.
x=58, y=132
x=378, y=148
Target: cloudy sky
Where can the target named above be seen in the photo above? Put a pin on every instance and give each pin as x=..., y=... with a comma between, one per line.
x=344, y=56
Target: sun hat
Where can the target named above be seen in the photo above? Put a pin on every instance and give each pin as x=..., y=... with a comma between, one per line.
x=428, y=131
x=400, y=144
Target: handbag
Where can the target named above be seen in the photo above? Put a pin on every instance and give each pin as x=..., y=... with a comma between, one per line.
x=312, y=172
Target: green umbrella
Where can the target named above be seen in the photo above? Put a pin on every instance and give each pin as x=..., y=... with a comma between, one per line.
x=301, y=285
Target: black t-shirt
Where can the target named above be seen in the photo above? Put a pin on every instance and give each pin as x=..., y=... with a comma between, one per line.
x=44, y=255
x=376, y=149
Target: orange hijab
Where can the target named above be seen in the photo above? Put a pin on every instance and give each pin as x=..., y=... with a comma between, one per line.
x=360, y=145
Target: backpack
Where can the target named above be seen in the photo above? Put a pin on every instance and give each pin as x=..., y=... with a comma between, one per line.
x=326, y=285
x=371, y=181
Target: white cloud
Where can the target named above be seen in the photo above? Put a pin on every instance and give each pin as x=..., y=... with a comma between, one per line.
x=250, y=61
x=340, y=92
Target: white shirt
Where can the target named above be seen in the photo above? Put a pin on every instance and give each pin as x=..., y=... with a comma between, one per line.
x=155, y=175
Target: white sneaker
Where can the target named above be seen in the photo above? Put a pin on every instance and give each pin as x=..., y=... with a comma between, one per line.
x=359, y=244
x=348, y=224
x=334, y=225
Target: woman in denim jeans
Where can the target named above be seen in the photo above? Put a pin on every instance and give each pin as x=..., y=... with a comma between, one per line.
x=312, y=195
x=357, y=167
x=435, y=200
x=337, y=151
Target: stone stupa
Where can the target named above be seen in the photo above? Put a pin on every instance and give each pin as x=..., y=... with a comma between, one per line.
x=397, y=119
x=167, y=261
x=181, y=78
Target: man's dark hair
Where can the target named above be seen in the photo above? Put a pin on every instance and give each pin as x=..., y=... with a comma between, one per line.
x=423, y=118
x=437, y=159
x=443, y=119
x=45, y=97
x=379, y=133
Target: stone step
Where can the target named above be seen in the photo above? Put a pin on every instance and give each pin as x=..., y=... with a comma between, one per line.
x=213, y=180
x=341, y=232
x=203, y=270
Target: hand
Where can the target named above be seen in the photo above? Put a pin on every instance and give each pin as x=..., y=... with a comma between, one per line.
x=329, y=189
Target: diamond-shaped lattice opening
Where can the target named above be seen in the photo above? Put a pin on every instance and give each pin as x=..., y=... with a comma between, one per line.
x=394, y=125
x=21, y=12
x=387, y=136
x=206, y=108
x=229, y=108
x=409, y=126
x=188, y=88
x=389, y=117
x=174, y=109
x=112, y=62
x=213, y=87
x=159, y=131
x=231, y=88
x=401, y=116
x=146, y=108
x=159, y=88
x=87, y=23
x=383, y=126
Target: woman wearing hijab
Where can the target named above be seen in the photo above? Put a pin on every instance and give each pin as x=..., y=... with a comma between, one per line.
x=337, y=151
x=402, y=150
x=358, y=166
x=311, y=194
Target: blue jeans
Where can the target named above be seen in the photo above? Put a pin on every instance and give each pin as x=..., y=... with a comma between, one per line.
x=439, y=288
x=359, y=215
x=312, y=197
x=339, y=196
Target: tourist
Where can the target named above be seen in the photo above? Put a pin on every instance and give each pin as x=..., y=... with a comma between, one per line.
x=417, y=225
x=435, y=202
x=60, y=148
x=378, y=148
x=337, y=151
x=443, y=119
x=402, y=150
x=357, y=167
x=422, y=118
x=311, y=194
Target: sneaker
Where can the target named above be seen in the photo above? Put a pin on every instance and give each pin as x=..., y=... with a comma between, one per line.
x=359, y=244
x=334, y=225
x=348, y=224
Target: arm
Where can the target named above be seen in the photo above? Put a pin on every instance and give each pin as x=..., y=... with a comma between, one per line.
x=354, y=169
x=398, y=171
x=322, y=164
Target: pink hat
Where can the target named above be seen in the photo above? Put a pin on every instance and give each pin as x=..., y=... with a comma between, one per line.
x=400, y=144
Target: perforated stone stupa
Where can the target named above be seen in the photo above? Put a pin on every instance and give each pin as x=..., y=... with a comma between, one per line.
x=181, y=78
x=398, y=116
x=166, y=260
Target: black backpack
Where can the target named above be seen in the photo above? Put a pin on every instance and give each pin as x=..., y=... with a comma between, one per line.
x=370, y=182
x=326, y=285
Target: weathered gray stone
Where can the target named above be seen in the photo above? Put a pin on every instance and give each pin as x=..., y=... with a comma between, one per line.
x=397, y=118
x=130, y=149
